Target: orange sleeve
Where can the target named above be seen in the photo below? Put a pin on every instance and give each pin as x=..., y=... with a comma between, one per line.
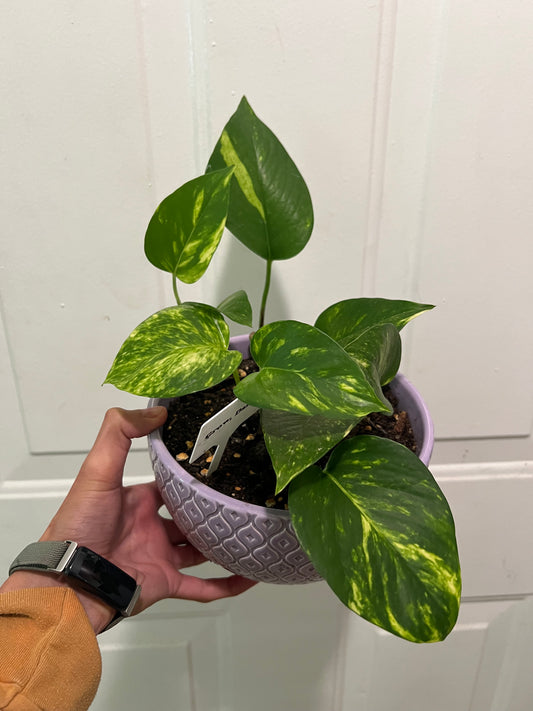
x=49, y=656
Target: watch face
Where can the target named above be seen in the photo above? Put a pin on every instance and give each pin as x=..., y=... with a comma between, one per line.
x=101, y=577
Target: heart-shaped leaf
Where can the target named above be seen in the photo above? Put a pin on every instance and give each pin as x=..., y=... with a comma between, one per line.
x=346, y=320
x=237, y=307
x=379, y=530
x=270, y=207
x=179, y=350
x=303, y=370
x=294, y=441
x=186, y=228
x=379, y=350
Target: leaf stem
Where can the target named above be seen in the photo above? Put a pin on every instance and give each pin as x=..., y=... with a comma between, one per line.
x=265, y=292
x=236, y=376
x=175, y=289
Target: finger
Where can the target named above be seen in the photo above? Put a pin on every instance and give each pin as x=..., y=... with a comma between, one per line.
x=209, y=589
x=105, y=462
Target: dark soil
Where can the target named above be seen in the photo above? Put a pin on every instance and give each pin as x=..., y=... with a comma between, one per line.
x=245, y=471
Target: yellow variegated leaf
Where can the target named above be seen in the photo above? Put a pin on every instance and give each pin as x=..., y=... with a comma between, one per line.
x=380, y=531
x=270, y=208
x=294, y=441
x=176, y=351
x=186, y=228
x=303, y=370
x=346, y=320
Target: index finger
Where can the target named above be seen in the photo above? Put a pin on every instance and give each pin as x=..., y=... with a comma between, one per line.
x=105, y=462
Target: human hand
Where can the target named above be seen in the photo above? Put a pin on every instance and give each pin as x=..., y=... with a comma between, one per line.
x=123, y=524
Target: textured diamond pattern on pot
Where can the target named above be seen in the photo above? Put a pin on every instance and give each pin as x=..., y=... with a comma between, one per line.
x=284, y=542
x=297, y=557
x=208, y=534
x=281, y=569
x=269, y=526
x=220, y=555
x=195, y=537
x=251, y=566
x=220, y=528
x=247, y=540
x=250, y=536
x=207, y=507
x=235, y=518
x=194, y=513
x=175, y=501
x=266, y=555
x=160, y=471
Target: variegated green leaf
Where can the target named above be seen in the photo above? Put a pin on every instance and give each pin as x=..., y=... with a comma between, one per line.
x=294, y=441
x=379, y=530
x=303, y=370
x=176, y=351
x=186, y=228
x=346, y=320
x=270, y=206
x=379, y=350
x=237, y=307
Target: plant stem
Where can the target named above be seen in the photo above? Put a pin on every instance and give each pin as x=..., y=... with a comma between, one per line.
x=236, y=376
x=175, y=288
x=265, y=293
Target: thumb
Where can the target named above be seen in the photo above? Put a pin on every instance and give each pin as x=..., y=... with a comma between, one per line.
x=105, y=462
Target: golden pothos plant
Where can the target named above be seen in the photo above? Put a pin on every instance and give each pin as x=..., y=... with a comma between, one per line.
x=373, y=521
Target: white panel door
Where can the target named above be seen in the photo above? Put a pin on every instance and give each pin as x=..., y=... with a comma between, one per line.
x=411, y=123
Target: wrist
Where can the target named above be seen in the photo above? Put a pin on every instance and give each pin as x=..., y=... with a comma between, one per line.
x=98, y=612
x=99, y=584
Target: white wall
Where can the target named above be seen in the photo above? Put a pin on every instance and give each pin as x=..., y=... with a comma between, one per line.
x=410, y=121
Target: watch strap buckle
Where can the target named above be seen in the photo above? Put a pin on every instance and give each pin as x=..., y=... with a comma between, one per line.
x=67, y=556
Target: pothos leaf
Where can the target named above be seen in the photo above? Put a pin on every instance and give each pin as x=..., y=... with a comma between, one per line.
x=295, y=441
x=302, y=370
x=346, y=320
x=237, y=307
x=379, y=530
x=270, y=207
x=178, y=350
x=186, y=228
x=378, y=349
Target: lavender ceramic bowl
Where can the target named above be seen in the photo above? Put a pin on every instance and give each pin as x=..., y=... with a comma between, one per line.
x=246, y=539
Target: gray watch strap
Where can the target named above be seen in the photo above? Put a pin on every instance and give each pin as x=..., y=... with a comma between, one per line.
x=119, y=591
x=45, y=555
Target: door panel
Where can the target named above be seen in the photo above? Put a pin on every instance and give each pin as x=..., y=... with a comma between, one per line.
x=411, y=123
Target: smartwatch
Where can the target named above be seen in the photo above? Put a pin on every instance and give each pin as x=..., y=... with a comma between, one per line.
x=86, y=569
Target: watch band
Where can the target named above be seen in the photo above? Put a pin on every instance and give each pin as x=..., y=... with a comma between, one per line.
x=45, y=555
x=86, y=569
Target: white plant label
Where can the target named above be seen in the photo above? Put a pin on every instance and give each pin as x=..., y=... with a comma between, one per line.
x=216, y=431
